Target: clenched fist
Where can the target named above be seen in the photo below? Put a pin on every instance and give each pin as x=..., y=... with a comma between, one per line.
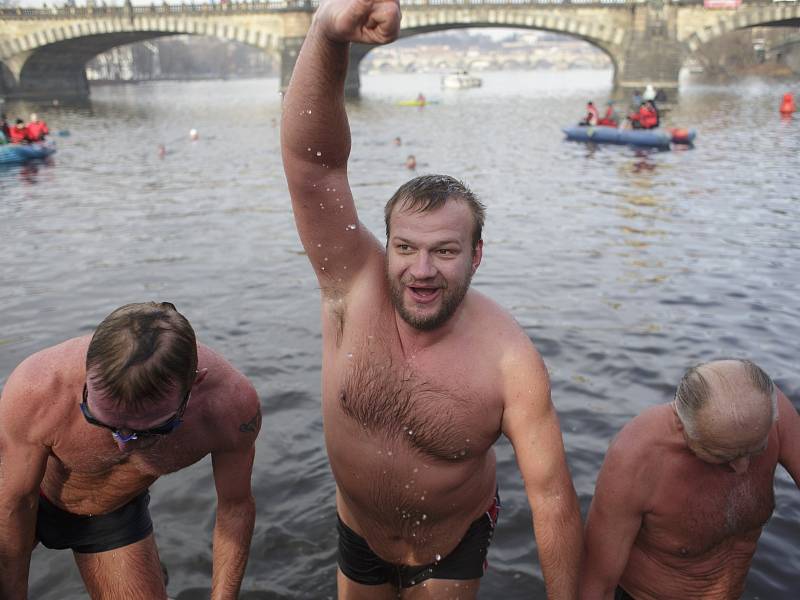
x=362, y=21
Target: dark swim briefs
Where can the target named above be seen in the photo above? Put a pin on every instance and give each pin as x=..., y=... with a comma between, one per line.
x=468, y=561
x=59, y=529
x=620, y=594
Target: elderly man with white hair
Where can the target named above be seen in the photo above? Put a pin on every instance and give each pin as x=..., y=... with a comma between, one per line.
x=686, y=488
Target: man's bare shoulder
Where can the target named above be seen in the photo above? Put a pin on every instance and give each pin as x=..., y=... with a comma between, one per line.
x=230, y=404
x=496, y=324
x=642, y=442
x=39, y=390
x=502, y=337
x=355, y=284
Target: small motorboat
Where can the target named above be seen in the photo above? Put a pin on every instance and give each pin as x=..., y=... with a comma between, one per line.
x=651, y=138
x=15, y=154
x=460, y=80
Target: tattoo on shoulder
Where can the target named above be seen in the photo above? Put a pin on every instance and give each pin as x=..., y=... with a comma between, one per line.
x=251, y=425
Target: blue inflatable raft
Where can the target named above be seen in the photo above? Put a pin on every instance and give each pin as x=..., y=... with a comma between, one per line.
x=15, y=154
x=650, y=138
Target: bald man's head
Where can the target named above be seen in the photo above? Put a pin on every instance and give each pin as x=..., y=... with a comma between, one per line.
x=729, y=401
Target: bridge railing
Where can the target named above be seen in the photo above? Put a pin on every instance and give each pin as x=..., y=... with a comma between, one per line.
x=262, y=6
x=93, y=10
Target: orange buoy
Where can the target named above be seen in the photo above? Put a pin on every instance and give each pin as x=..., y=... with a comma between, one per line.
x=787, y=104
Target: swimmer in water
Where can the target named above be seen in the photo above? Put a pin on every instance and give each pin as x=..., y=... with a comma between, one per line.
x=421, y=374
x=88, y=425
x=687, y=486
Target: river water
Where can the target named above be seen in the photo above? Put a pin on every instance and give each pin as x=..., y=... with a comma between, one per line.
x=623, y=266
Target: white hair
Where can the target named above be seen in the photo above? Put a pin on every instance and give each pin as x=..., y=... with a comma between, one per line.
x=694, y=391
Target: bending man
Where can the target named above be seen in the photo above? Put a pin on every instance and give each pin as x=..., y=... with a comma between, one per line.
x=88, y=425
x=687, y=486
x=420, y=374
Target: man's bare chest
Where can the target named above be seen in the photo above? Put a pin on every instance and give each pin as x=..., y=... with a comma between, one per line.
x=441, y=408
x=697, y=514
x=107, y=460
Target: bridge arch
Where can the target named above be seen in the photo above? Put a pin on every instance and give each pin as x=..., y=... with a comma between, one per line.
x=761, y=16
x=608, y=39
x=34, y=61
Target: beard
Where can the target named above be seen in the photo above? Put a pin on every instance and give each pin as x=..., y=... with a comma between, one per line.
x=450, y=301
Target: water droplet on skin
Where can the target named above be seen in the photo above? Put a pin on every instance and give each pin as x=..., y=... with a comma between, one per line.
x=424, y=516
x=406, y=486
x=351, y=226
x=438, y=557
x=322, y=206
x=417, y=523
x=415, y=469
x=410, y=432
x=422, y=497
x=319, y=153
x=468, y=440
x=319, y=245
x=389, y=453
x=309, y=149
x=341, y=206
x=349, y=355
x=323, y=268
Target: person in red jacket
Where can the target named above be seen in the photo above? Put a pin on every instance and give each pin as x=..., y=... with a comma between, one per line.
x=592, y=116
x=18, y=134
x=37, y=129
x=646, y=118
x=611, y=118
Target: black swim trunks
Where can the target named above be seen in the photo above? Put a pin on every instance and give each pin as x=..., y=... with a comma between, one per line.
x=468, y=561
x=59, y=529
x=620, y=594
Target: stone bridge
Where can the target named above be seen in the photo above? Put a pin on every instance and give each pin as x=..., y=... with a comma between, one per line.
x=43, y=52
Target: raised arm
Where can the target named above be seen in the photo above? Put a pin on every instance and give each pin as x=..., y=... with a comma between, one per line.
x=236, y=509
x=315, y=137
x=789, y=435
x=531, y=423
x=23, y=458
x=615, y=517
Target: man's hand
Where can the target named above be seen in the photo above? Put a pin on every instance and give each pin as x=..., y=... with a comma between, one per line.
x=363, y=21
